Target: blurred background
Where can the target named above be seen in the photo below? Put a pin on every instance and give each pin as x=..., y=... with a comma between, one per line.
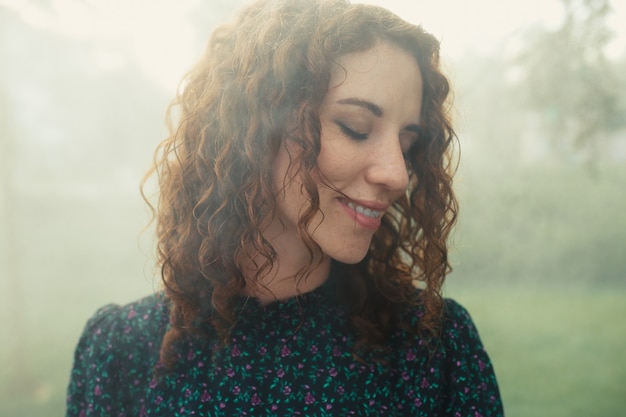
x=539, y=251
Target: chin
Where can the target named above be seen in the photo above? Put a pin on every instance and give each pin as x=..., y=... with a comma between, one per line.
x=349, y=258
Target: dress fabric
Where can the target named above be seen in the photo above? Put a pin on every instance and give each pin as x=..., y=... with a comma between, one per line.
x=288, y=358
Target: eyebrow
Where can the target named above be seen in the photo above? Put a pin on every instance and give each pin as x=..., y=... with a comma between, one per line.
x=376, y=111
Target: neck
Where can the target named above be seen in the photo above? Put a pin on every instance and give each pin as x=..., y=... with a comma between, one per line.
x=293, y=273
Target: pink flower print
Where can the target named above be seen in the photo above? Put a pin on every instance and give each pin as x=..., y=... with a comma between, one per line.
x=336, y=351
x=314, y=349
x=284, y=351
x=158, y=400
x=287, y=390
x=274, y=407
x=230, y=372
x=236, y=390
x=262, y=350
x=190, y=355
x=341, y=390
x=405, y=376
x=328, y=406
x=153, y=384
x=97, y=391
x=200, y=364
x=481, y=365
x=235, y=352
x=132, y=313
x=424, y=383
x=222, y=405
x=309, y=398
x=410, y=356
x=280, y=373
x=332, y=372
x=205, y=396
x=255, y=400
x=187, y=393
x=417, y=402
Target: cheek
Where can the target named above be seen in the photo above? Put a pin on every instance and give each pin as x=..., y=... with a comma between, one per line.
x=337, y=160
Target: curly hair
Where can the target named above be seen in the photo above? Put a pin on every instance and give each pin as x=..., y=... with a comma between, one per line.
x=261, y=80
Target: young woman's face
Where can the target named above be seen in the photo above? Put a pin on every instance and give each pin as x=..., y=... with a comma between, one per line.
x=369, y=118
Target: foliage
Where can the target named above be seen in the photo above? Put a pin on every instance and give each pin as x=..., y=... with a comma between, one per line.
x=568, y=80
x=542, y=225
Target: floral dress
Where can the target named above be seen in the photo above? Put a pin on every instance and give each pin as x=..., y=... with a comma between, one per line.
x=288, y=358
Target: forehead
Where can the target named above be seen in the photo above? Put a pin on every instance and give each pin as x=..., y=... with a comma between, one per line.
x=385, y=74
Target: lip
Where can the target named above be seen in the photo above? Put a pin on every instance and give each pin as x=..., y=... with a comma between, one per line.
x=364, y=221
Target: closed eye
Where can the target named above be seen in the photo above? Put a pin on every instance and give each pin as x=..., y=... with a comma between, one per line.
x=350, y=132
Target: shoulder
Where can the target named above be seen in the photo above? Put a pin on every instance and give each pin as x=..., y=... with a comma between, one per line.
x=118, y=348
x=457, y=323
x=135, y=327
x=468, y=381
x=141, y=317
x=471, y=381
x=120, y=328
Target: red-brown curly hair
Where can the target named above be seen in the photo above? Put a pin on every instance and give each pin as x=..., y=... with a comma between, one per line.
x=268, y=69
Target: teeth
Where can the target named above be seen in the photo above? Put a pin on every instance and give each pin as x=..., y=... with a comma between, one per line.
x=364, y=210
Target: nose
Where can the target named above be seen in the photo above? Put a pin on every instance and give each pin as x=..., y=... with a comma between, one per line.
x=388, y=168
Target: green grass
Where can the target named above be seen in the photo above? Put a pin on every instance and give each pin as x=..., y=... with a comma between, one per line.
x=557, y=352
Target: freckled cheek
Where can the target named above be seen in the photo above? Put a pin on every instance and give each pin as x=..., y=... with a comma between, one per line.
x=337, y=160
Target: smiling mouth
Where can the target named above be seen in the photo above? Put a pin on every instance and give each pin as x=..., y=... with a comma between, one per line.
x=371, y=213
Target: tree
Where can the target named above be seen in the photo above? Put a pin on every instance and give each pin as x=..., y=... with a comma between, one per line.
x=569, y=82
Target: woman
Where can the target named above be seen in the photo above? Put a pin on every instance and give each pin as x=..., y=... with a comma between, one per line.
x=304, y=191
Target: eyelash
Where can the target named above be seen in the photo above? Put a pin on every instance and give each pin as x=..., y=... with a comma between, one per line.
x=362, y=136
x=351, y=133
